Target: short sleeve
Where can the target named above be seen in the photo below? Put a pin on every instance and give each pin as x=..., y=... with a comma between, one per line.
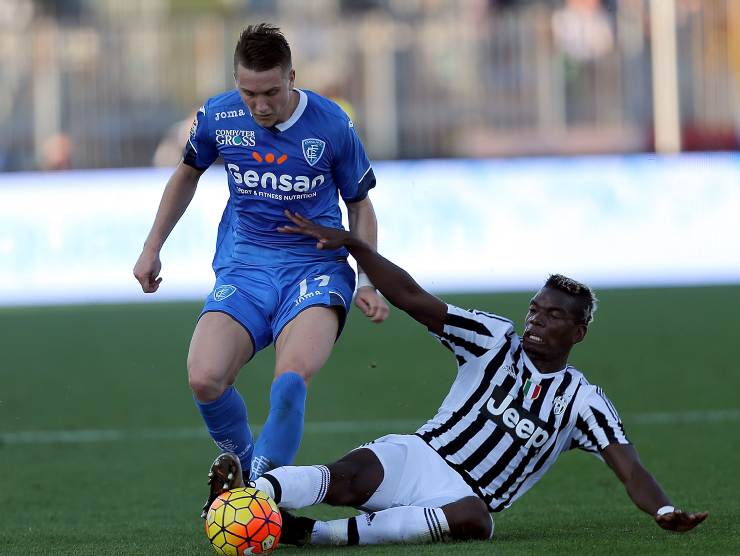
x=351, y=170
x=597, y=424
x=471, y=333
x=200, y=151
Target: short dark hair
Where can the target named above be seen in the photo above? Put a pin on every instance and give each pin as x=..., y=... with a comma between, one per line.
x=578, y=290
x=262, y=47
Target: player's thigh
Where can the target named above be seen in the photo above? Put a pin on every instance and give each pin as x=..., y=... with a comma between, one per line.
x=233, y=325
x=305, y=343
x=314, y=301
x=248, y=297
x=219, y=348
x=414, y=475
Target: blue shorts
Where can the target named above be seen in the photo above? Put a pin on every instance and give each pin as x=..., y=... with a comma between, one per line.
x=264, y=298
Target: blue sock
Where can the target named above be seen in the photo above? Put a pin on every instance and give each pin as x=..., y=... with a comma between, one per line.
x=278, y=443
x=226, y=421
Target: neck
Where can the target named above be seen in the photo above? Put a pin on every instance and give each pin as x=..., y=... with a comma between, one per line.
x=549, y=365
x=295, y=98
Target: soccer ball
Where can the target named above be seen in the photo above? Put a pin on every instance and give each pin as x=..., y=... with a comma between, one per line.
x=243, y=521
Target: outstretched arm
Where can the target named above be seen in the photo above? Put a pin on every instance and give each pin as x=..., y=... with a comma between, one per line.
x=645, y=491
x=393, y=282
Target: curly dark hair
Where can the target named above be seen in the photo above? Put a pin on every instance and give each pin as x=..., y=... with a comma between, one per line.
x=578, y=290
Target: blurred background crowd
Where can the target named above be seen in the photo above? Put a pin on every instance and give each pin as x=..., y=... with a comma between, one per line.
x=105, y=83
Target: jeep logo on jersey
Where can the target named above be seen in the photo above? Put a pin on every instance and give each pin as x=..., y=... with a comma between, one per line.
x=312, y=150
x=521, y=424
x=222, y=292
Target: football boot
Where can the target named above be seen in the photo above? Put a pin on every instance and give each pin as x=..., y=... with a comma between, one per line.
x=225, y=474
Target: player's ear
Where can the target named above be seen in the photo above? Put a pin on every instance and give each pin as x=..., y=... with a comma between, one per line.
x=291, y=78
x=579, y=333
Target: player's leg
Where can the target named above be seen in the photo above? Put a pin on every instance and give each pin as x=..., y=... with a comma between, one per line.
x=413, y=497
x=469, y=519
x=314, y=300
x=465, y=519
x=376, y=478
x=219, y=348
x=351, y=481
x=230, y=330
x=301, y=349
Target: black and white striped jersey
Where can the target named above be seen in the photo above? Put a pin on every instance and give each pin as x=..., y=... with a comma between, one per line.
x=503, y=423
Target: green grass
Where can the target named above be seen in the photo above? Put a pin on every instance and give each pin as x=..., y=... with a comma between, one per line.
x=121, y=368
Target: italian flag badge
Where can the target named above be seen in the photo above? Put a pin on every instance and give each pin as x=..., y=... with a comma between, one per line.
x=531, y=390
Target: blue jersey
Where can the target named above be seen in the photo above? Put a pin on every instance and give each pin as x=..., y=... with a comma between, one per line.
x=302, y=164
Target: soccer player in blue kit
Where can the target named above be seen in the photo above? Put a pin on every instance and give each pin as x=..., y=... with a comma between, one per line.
x=282, y=147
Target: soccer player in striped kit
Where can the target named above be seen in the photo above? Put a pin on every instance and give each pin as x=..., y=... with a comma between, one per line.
x=513, y=408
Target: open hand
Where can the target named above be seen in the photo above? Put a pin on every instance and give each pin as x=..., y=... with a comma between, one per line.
x=328, y=238
x=680, y=521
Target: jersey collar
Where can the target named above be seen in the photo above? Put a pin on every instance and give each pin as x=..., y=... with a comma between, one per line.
x=297, y=113
x=532, y=366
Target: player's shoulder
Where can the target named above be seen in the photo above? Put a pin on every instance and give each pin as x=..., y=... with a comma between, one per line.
x=589, y=394
x=583, y=388
x=229, y=102
x=578, y=374
x=477, y=314
x=326, y=108
x=477, y=320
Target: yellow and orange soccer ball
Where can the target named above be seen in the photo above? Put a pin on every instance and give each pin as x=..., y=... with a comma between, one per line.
x=243, y=521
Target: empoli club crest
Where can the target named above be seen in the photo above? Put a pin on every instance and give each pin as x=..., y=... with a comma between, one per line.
x=312, y=150
x=222, y=292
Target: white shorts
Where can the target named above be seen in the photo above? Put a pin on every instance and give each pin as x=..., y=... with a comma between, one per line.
x=414, y=475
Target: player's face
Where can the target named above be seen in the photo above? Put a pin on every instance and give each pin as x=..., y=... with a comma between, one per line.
x=553, y=325
x=267, y=94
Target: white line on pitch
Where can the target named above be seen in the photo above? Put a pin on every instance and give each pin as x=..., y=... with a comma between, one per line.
x=668, y=418
x=324, y=427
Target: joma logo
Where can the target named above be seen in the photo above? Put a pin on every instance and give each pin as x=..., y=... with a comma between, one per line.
x=303, y=297
x=230, y=114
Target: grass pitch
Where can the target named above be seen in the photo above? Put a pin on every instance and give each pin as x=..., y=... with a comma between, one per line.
x=103, y=452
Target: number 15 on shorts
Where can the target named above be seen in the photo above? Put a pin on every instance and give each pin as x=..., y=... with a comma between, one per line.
x=322, y=280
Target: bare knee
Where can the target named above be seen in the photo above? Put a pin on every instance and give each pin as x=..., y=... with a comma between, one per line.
x=206, y=382
x=469, y=519
x=297, y=369
x=296, y=363
x=219, y=348
x=354, y=479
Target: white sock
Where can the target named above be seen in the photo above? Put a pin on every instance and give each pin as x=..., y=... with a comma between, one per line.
x=407, y=524
x=296, y=486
